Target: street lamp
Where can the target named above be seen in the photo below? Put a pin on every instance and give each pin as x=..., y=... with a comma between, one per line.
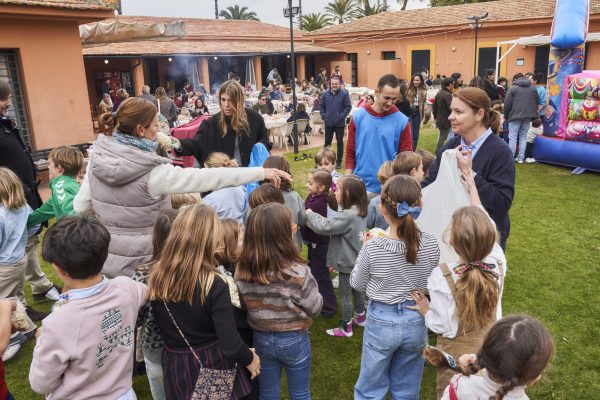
x=290, y=13
x=476, y=25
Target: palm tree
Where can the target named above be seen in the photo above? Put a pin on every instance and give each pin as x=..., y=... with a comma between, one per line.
x=236, y=12
x=341, y=10
x=300, y=14
x=216, y=9
x=314, y=21
x=367, y=9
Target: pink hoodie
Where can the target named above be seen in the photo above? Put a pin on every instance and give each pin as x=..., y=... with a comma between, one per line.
x=86, y=347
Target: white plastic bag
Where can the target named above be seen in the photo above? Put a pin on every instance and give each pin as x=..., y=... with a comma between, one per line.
x=440, y=199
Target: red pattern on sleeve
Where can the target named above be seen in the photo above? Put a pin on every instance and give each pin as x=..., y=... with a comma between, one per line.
x=351, y=146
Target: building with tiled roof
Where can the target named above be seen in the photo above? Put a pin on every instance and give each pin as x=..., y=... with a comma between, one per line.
x=40, y=56
x=442, y=40
x=212, y=47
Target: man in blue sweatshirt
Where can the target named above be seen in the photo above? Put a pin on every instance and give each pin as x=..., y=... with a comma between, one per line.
x=334, y=109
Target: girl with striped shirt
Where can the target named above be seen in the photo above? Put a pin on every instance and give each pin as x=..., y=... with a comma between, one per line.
x=390, y=268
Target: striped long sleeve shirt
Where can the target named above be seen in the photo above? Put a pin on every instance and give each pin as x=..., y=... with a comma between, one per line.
x=381, y=268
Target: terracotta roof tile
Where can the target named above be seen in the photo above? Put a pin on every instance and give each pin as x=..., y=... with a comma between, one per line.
x=219, y=28
x=72, y=4
x=195, y=47
x=499, y=11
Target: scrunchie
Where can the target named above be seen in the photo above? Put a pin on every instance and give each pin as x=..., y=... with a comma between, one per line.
x=464, y=267
x=403, y=209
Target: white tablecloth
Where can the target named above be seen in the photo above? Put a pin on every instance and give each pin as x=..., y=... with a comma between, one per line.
x=213, y=109
x=359, y=90
x=275, y=121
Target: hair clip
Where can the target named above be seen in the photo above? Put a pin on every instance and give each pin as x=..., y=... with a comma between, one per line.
x=403, y=209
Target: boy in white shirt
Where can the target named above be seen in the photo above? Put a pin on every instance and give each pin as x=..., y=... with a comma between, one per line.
x=535, y=128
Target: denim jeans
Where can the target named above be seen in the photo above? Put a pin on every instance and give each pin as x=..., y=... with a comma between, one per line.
x=415, y=124
x=288, y=350
x=393, y=341
x=517, y=132
x=154, y=373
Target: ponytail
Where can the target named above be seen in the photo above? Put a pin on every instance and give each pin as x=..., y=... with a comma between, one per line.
x=109, y=121
x=477, y=295
x=132, y=112
x=505, y=388
x=401, y=196
x=494, y=118
x=219, y=160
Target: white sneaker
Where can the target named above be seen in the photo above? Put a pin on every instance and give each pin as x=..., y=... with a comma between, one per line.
x=10, y=352
x=53, y=294
x=530, y=160
x=336, y=282
x=519, y=161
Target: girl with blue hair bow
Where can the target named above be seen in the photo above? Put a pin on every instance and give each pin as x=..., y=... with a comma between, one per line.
x=389, y=268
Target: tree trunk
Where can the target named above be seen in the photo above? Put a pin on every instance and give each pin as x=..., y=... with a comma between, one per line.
x=216, y=9
x=404, y=2
x=300, y=14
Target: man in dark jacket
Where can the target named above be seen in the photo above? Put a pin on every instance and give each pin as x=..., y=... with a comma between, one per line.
x=15, y=156
x=441, y=111
x=335, y=107
x=520, y=107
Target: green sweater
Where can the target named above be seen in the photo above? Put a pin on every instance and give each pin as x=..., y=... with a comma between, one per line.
x=64, y=188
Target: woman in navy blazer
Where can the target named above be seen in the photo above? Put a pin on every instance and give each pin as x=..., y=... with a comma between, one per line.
x=483, y=152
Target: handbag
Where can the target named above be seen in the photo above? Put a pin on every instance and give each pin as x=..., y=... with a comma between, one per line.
x=212, y=384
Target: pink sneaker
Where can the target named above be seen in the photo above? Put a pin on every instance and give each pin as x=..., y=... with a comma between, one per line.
x=359, y=319
x=344, y=330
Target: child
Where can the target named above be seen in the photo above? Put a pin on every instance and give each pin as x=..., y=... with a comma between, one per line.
x=427, y=159
x=317, y=185
x=152, y=343
x=229, y=202
x=180, y=200
x=514, y=354
x=325, y=159
x=346, y=230
x=14, y=232
x=374, y=217
x=85, y=348
x=390, y=268
x=233, y=238
x=293, y=201
x=7, y=308
x=64, y=165
x=192, y=307
x=465, y=296
x=282, y=299
x=409, y=163
x=263, y=194
x=534, y=129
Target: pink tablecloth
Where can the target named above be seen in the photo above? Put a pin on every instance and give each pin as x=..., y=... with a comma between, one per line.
x=185, y=132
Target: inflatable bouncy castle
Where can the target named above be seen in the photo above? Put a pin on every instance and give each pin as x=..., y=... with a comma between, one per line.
x=571, y=121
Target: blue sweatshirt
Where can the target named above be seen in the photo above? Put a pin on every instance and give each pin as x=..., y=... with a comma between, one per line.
x=14, y=233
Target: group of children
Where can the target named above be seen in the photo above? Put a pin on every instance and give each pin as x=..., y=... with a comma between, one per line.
x=242, y=252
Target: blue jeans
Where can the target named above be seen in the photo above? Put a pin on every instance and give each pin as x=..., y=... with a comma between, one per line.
x=517, y=131
x=288, y=350
x=393, y=341
x=415, y=125
x=154, y=373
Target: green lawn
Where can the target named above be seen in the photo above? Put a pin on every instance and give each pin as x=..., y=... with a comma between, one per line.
x=553, y=267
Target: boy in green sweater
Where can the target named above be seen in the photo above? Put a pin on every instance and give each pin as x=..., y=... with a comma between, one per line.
x=64, y=164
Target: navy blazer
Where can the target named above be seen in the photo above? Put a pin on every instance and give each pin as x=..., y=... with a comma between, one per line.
x=495, y=179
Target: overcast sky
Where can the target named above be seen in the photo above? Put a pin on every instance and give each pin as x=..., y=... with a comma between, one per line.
x=267, y=10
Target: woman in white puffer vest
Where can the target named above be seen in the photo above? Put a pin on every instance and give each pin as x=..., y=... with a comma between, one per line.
x=127, y=183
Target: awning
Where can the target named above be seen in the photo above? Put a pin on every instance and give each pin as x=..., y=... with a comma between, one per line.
x=542, y=40
x=116, y=31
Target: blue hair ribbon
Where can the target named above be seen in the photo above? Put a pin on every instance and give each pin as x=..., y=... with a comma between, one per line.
x=403, y=209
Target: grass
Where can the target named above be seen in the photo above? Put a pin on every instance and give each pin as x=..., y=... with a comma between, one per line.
x=553, y=266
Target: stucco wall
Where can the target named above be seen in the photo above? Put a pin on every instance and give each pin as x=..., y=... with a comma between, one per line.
x=53, y=80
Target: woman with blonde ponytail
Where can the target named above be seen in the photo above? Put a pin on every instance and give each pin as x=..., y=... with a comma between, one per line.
x=128, y=183
x=389, y=268
x=465, y=295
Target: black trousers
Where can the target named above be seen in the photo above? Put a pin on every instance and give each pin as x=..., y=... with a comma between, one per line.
x=339, y=137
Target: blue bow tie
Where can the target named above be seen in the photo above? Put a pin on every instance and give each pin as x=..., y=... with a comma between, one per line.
x=403, y=209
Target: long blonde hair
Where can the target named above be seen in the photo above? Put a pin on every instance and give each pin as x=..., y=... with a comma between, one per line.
x=188, y=257
x=12, y=195
x=239, y=119
x=219, y=160
x=472, y=235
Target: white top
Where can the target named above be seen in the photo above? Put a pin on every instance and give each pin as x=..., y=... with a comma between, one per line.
x=167, y=179
x=480, y=387
x=442, y=317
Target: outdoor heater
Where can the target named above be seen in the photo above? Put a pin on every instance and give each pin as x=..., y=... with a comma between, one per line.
x=475, y=24
x=290, y=13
